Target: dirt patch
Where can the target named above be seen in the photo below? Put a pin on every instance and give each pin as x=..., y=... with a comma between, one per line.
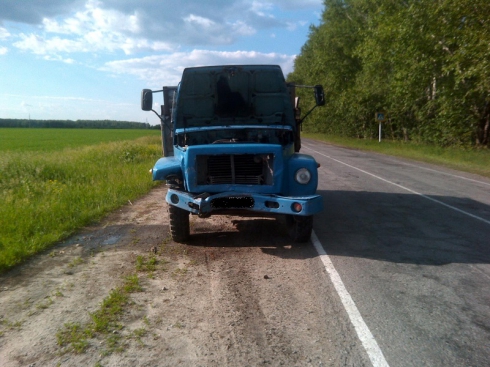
x=239, y=294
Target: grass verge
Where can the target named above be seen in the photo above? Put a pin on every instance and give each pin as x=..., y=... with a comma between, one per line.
x=469, y=160
x=46, y=197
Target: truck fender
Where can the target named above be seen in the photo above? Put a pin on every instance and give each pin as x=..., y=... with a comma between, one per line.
x=165, y=167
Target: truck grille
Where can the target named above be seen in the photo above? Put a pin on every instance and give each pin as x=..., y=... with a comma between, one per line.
x=235, y=169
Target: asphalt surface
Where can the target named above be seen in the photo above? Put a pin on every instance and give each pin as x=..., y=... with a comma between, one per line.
x=411, y=243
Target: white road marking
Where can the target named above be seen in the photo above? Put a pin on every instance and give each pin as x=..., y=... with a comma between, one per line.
x=405, y=188
x=444, y=173
x=427, y=169
x=367, y=339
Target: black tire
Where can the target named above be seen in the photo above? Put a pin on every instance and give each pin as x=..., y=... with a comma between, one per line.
x=299, y=227
x=179, y=224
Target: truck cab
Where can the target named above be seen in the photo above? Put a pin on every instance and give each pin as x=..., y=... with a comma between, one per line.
x=231, y=141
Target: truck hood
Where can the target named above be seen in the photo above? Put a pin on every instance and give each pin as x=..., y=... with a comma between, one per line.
x=233, y=95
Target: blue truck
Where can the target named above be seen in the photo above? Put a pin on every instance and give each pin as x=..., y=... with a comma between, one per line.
x=231, y=142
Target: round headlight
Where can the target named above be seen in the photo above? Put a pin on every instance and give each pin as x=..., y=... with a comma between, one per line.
x=302, y=176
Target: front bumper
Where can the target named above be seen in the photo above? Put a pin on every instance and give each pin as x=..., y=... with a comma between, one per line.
x=206, y=204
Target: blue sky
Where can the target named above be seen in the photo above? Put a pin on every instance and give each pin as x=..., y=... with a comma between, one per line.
x=89, y=59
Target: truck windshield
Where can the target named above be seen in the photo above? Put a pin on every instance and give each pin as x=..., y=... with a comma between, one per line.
x=233, y=96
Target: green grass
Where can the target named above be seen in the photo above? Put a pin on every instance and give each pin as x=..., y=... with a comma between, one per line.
x=468, y=160
x=104, y=321
x=48, y=140
x=148, y=264
x=46, y=195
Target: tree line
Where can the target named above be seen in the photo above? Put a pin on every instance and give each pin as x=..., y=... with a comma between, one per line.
x=78, y=124
x=424, y=63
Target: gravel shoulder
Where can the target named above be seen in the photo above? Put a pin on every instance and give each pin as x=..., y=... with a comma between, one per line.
x=238, y=294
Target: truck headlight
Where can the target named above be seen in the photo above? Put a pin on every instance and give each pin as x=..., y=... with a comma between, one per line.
x=302, y=176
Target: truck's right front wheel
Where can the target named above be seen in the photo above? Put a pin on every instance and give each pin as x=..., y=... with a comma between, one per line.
x=299, y=227
x=179, y=223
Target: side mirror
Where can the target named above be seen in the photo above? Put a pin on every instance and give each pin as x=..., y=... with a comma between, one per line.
x=319, y=95
x=146, y=100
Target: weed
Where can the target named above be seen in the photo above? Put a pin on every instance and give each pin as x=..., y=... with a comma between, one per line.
x=138, y=334
x=75, y=262
x=179, y=325
x=104, y=321
x=151, y=263
x=11, y=325
x=135, y=241
x=114, y=344
x=167, y=239
x=132, y=284
x=75, y=336
x=146, y=264
x=180, y=272
x=16, y=325
x=58, y=293
x=140, y=262
x=94, y=251
x=107, y=315
x=44, y=305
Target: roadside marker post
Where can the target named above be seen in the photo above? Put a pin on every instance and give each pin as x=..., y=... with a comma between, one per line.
x=380, y=117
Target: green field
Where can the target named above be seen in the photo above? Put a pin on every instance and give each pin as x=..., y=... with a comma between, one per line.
x=45, y=140
x=54, y=181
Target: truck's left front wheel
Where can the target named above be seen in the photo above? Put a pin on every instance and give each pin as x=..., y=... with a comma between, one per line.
x=179, y=223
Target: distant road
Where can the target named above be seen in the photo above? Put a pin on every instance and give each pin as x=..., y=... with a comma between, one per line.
x=411, y=243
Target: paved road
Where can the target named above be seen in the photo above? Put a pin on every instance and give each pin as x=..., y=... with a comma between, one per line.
x=411, y=243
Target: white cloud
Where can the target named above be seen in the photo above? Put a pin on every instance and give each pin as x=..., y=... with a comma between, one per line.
x=111, y=26
x=3, y=50
x=40, y=45
x=94, y=18
x=4, y=34
x=200, y=21
x=243, y=29
x=295, y=4
x=92, y=30
x=167, y=69
x=93, y=41
x=59, y=58
x=292, y=26
x=260, y=7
